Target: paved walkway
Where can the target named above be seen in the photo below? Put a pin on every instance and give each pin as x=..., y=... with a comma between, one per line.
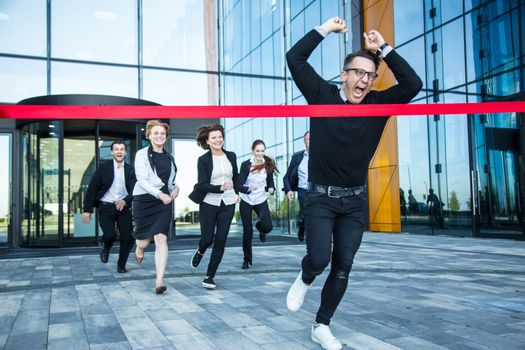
x=405, y=292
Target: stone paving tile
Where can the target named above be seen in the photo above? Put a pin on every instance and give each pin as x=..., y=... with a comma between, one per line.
x=111, y=346
x=79, y=343
x=409, y=292
x=30, y=340
x=191, y=341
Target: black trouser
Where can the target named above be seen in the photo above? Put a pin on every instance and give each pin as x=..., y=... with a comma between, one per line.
x=215, y=225
x=265, y=219
x=301, y=196
x=109, y=218
x=340, y=219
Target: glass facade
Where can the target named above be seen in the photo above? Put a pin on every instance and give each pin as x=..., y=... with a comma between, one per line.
x=5, y=187
x=254, y=72
x=467, y=52
x=232, y=52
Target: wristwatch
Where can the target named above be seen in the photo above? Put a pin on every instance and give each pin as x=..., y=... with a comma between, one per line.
x=381, y=48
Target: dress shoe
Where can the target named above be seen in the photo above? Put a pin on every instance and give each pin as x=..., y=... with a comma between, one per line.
x=104, y=255
x=245, y=265
x=121, y=269
x=160, y=290
x=300, y=232
x=262, y=235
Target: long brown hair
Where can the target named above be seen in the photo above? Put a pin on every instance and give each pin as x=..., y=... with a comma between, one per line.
x=203, y=133
x=269, y=163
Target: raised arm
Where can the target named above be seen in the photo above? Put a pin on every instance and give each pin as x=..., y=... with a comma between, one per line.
x=408, y=82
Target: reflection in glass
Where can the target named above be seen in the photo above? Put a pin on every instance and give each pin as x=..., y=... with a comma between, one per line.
x=413, y=167
x=42, y=207
x=408, y=17
x=186, y=153
x=175, y=34
x=79, y=167
x=96, y=30
x=21, y=78
x=23, y=27
x=74, y=78
x=453, y=54
x=179, y=88
x=5, y=186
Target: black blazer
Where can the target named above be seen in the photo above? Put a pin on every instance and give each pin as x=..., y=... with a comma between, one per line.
x=291, y=178
x=243, y=175
x=204, y=170
x=102, y=181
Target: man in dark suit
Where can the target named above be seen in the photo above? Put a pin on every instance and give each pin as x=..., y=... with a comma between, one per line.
x=296, y=179
x=110, y=191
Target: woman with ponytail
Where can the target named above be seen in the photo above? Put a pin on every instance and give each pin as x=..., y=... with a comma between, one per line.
x=255, y=182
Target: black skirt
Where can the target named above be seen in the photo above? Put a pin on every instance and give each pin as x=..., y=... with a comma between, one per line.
x=150, y=216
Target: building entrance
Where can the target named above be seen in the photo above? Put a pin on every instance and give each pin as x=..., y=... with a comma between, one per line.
x=62, y=158
x=498, y=178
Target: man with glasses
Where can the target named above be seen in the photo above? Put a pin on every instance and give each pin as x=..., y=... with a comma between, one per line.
x=340, y=152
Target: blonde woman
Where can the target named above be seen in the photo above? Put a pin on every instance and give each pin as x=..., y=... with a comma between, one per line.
x=153, y=196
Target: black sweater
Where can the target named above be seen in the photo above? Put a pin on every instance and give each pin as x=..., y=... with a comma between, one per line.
x=341, y=148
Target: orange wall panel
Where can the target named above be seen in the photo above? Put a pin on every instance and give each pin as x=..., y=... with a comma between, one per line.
x=383, y=173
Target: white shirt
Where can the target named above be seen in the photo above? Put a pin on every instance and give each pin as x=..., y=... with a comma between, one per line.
x=222, y=172
x=118, y=187
x=257, y=182
x=302, y=172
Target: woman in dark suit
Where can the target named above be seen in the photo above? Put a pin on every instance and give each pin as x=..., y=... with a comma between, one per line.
x=153, y=196
x=255, y=182
x=216, y=195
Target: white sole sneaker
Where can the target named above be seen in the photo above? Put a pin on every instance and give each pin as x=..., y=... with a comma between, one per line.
x=295, y=296
x=324, y=337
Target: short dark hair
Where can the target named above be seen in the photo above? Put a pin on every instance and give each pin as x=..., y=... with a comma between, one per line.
x=365, y=53
x=118, y=142
x=203, y=133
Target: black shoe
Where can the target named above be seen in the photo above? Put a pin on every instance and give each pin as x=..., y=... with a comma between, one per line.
x=160, y=290
x=262, y=235
x=245, y=265
x=121, y=269
x=196, y=259
x=300, y=233
x=104, y=254
x=208, y=283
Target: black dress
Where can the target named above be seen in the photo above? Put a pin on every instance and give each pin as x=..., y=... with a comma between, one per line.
x=150, y=215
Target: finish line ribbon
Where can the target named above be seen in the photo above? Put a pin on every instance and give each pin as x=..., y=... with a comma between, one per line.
x=189, y=112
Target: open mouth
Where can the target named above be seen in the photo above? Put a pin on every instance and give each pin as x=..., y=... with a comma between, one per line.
x=359, y=90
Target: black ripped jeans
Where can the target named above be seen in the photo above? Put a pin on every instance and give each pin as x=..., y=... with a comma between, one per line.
x=341, y=220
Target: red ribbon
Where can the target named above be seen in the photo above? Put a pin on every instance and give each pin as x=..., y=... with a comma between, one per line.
x=183, y=112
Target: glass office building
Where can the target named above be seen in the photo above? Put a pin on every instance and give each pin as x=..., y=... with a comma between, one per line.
x=231, y=52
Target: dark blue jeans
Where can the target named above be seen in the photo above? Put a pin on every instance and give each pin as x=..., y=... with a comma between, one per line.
x=341, y=221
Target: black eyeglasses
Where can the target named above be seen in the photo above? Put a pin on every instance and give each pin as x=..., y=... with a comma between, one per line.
x=361, y=73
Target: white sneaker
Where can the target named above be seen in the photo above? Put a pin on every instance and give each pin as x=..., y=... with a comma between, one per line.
x=295, y=296
x=321, y=334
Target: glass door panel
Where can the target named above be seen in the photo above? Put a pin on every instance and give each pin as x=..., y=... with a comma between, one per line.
x=497, y=178
x=79, y=166
x=186, y=153
x=5, y=187
x=42, y=201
